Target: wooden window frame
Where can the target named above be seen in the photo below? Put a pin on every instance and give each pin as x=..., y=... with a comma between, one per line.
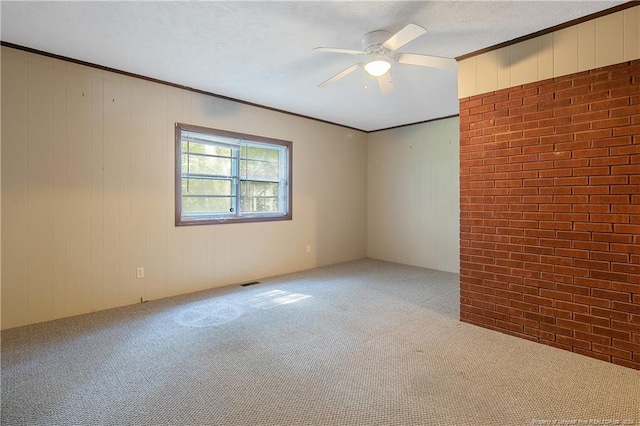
x=238, y=217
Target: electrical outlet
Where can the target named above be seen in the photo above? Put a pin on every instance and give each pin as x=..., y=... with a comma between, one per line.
x=308, y=249
x=140, y=272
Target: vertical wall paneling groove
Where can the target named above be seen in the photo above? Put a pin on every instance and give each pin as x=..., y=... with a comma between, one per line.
x=39, y=197
x=126, y=193
x=14, y=189
x=78, y=184
x=97, y=189
x=488, y=81
x=609, y=39
x=59, y=190
x=156, y=217
x=88, y=193
x=467, y=77
x=545, y=57
x=565, y=51
x=504, y=67
x=586, y=46
x=524, y=62
x=632, y=33
x=112, y=102
x=139, y=198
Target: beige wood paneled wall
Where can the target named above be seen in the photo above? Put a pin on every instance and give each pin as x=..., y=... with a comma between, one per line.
x=87, y=193
x=414, y=195
x=603, y=41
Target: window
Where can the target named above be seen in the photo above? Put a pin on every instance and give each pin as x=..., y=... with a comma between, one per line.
x=225, y=177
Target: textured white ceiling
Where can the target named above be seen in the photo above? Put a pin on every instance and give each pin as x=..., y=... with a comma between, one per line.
x=261, y=52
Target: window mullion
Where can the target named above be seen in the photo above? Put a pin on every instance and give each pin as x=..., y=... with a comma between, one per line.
x=282, y=171
x=188, y=163
x=235, y=167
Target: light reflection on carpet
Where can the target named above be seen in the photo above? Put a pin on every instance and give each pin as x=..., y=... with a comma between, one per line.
x=218, y=313
x=209, y=315
x=273, y=298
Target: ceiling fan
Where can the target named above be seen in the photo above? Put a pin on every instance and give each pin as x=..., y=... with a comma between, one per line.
x=380, y=48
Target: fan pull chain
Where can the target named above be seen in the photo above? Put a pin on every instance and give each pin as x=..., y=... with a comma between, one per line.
x=364, y=73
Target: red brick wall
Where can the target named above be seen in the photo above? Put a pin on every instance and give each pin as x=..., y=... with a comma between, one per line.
x=550, y=212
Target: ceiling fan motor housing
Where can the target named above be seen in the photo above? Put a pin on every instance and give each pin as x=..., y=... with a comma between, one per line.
x=372, y=42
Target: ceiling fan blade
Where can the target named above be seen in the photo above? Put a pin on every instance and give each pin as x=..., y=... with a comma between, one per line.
x=341, y=74
x=425, y=60
x=385, y=84
x=404, y=36
x=336, y=50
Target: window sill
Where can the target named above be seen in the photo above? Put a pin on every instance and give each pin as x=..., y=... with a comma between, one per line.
x=212, y=220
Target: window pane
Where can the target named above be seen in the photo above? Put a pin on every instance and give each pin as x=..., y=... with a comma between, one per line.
x=259, y=196
x=195, y=186
x=201, y=148
x=259, y=170
x=259, y=153
x=259, y=163
x=198, y=164
x=206, y=205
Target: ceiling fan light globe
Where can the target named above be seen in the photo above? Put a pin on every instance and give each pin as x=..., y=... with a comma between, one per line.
x=377, y=67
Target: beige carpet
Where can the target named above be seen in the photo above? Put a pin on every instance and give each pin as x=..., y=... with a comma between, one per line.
x=360, y=343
